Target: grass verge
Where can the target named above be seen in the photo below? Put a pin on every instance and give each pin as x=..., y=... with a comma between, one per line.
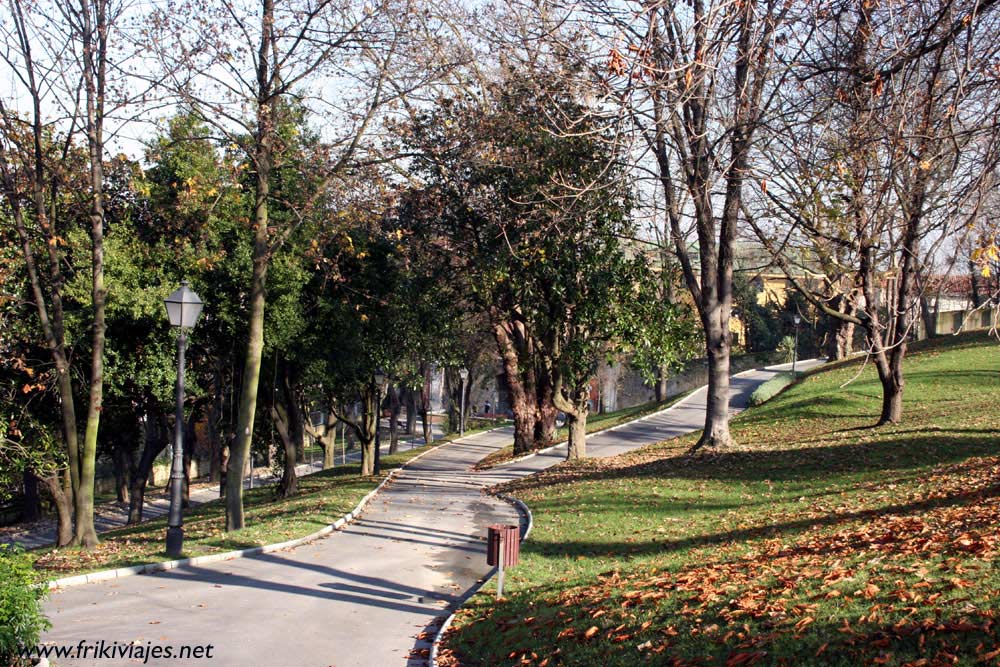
x=323, y=498
x=596, y=422
x=818, y=540
x=770, y=389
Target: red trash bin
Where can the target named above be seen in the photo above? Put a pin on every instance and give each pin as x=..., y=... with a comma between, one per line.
x=511, y=545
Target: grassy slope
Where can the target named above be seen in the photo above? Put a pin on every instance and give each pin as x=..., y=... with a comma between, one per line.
x=816, y=541
x=323, y=498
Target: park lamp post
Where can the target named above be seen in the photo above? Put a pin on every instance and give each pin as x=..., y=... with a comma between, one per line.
x=464, y=374
x=795, y=348
x=379, y=384
x=183, y=309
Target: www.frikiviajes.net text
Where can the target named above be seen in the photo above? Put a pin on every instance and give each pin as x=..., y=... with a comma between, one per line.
x=132, y=651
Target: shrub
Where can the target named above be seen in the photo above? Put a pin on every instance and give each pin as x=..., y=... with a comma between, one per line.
x=786, y=350
x=21, y=618
x=771, y=388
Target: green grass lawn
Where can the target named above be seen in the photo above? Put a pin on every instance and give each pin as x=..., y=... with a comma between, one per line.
x=323, y=498
x=595, y=422
x=817, y=540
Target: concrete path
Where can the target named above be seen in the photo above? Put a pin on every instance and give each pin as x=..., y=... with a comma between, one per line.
x=111, y=515
x=684, y=417
x=361, y=597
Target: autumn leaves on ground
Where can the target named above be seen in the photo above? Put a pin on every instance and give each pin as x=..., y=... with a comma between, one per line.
x=816, y=541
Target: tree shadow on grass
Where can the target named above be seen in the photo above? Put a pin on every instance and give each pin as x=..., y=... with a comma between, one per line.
x=823, y=408
x=784, y=530
x=793, y=464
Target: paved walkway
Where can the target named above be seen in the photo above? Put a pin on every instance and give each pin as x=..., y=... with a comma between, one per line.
x=111, y=515
x=359, y=598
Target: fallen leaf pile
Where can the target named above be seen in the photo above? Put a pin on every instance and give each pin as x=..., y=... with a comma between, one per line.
x=891, y=584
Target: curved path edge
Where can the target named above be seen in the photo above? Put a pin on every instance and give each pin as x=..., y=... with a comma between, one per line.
x=525, y=532
x=163, y=566
x=526, y=511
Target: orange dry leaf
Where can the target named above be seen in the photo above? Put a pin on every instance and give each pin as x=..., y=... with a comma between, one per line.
x=804, y=623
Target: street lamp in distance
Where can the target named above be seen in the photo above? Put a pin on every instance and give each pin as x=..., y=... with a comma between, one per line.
x=183, y=309
x=795, y=348
x=379, y=386
x=464, y=374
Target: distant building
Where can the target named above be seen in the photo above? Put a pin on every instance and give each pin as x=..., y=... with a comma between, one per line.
x=949, y=303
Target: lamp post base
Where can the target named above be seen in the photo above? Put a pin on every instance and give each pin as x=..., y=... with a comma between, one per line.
x=175, y=540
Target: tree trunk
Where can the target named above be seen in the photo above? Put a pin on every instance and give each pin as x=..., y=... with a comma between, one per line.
x=662, y=380
x=927, y=317
x=296, y=415
x=223, y=471
x=122, y=466
x=975, y=289
x=64, y=507
x=350, y=437
x=426, y=426
x=716, y=434
x=289, y=484
x=370, y=409
x=411, y=412
x=845, y=340
x=890, y=374
x=577, y=423
x=547, y=413
x=240, y=448
x=892, y=400
x=840, y=342
x=154, y=442
x=453, y=408
x=94, y=47
x=52, y=326
x=394, y=410
x=425, y=403
x=545, y=426
x=520, y=390
x=364, y=427
x=329, y=443
x=367, y=457
x=264, y=145
x=524, y=424
x=575, y=402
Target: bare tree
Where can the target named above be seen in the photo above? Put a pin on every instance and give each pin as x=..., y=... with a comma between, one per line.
x=91, y=23
x=694, y=80
x=58, y=56
x=26, y=161
x=885, y=149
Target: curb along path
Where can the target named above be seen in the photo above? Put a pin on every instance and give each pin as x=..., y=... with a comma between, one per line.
x=163, y=566
x=112, y=515
x=361, y=595
x=357, y=597
x=685, y=416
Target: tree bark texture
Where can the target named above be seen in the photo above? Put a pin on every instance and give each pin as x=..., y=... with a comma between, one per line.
x=520, y=389
x=155, y=440
x=58, y=487
x=262, y=159
x=394, y=409
x=94, y=42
